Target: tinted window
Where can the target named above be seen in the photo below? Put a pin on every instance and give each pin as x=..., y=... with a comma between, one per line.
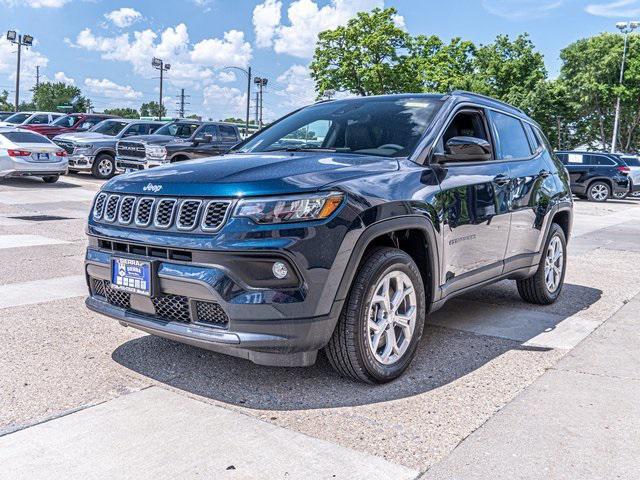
x=631, y=161
x=383, y=126
x=67, y=121
x=38, y=119
x=136, y=129
x=24, y=137
x=109, y=127
x=209, y=129
x=17, y=118
x=562, y=157
x=534, y=141
x=512, y=139
x=598, y=160
x=227, y=132
x=181, y=130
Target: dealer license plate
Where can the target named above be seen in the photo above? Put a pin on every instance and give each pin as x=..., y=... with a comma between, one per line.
x=131, y=275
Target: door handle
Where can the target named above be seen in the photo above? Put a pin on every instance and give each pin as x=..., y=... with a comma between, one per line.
x=501, y=179
x=544, y=173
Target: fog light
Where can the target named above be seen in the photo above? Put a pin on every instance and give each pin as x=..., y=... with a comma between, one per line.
x=279, y=270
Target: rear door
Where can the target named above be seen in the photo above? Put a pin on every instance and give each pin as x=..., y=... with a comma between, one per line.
x=207, y=149
x=473, y=199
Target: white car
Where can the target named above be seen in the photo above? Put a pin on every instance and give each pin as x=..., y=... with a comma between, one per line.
x=634, y=173
x=24, y=153
x=30, y=118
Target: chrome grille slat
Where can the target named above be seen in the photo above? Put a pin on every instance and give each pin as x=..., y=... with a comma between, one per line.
x=144, y=211
x=98, y=207
x=215, y=215
x=165, y=210
x=188, y=214
x=127, y=205
x=111, y=210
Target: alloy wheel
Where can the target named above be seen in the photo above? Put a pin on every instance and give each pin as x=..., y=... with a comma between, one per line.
x=392, y=317
x=599, y=192
x=553, y=264
x=105, y=167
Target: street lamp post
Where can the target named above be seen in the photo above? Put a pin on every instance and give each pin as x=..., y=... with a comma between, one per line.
x=261, y=82
x=21, y=41
x=626, y=28
x=159, y=64
x=247, y=72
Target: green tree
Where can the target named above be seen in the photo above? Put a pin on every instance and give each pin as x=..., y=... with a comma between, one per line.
x=152, y=109
x=368, y=56
x=4, y=102
x=48, y=96
x=122, y=112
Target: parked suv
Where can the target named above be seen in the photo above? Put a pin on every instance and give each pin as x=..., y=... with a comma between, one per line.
x=633, y=163
x=596, y=176
x=95, y=151
x=74, y=122
x=175, y=142
x=23, y=119
x=389, y=206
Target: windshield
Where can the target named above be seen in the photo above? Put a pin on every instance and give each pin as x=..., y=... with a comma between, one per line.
x=181, y=130
x=109, y=127
x=17, y=118
x=66, y=121
x=383, y=126
x=25, y=137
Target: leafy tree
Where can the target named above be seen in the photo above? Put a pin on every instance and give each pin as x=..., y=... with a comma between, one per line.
x=152, y=109
x=4, y=102
x=122, y=112
x=48, y=96
x=368, y=56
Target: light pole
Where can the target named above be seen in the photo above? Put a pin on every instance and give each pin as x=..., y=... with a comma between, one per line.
x=247, y=72
x=159, y=64
x=626, y=28
x=21, y=41
x=261, y=82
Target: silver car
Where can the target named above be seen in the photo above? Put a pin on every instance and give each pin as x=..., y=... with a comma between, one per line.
x=24, y=153
x=634, y=173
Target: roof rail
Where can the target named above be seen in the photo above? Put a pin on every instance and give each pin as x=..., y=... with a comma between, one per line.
x=473, y=94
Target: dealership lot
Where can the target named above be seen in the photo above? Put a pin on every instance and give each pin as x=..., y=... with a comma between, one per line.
x=479, y=353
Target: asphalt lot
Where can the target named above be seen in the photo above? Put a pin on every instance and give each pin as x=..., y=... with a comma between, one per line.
x=478, y=353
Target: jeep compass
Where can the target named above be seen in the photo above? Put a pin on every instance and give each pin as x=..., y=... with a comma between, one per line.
x=339, y=227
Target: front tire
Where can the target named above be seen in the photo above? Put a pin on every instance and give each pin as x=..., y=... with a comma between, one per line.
x=545, y=286
x=598, y=192
x=382, y=321
x=104, y=167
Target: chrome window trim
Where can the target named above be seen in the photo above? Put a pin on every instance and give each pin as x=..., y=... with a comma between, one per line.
x=179, y=226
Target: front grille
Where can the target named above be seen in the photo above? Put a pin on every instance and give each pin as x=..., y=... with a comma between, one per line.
x=210, y=313
x=67, y=146
x=172, y=307
x=162, y=213
x=168, y=307
x=188, y=214
x=126, y=210
x=131, y=149
x=215, y=214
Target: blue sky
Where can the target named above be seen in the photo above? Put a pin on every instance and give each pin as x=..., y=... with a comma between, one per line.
x=105, y=47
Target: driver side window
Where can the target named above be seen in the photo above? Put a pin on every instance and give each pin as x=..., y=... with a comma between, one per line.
x=466, y=123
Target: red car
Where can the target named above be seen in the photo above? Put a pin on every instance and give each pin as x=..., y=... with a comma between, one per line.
x=74, y=122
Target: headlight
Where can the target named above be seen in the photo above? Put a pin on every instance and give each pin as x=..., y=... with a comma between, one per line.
x=157, y=151
x=289, y=209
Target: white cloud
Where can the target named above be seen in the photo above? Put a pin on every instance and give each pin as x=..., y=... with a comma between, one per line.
x=222, y=102
x=618, y=9
x=266, y=18
x=61, y=77
x=521, y=9
x=227, y=76
x=306, y=19
x=123, y=17
x=298, y=88
x=31, y=58
x=36, y=3
x=110, y=89
x=230, y=51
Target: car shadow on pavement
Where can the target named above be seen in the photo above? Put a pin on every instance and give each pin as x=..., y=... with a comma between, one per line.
x=444, y=356
x=36, y=183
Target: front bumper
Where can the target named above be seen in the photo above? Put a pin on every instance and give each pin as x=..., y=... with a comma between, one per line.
x=81, y=162
x=125, y=163
x=15, y=167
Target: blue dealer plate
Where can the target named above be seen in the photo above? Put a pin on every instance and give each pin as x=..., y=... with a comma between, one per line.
x=131, y=275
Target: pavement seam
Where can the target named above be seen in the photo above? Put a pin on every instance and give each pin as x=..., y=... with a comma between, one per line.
x=11, y=430
x=601, y=375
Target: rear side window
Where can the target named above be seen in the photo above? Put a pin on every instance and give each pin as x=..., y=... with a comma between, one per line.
x=562, y=157
x=512, y=139
x=534, y=141
x=227, y=132
x=598, y=160
x=24, y=137
x=632, y=161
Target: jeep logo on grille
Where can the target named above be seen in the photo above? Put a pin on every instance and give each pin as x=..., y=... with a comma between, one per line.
x=150, y=187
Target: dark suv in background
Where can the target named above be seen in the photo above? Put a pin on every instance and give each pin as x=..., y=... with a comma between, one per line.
x=339, y=227
x=175, y=142
x=596, y=176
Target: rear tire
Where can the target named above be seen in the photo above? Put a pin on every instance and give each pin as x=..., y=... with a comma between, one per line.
x=598, y=192
x=367, y=344
x=538, y=289
x=51, y=179
x=104, y=166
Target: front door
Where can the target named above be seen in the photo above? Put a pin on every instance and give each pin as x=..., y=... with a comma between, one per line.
x=473, y=203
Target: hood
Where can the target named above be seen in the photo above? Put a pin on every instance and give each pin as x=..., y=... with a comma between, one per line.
x=47, y=129
x=84, y=137
x=250, y=174
x=151, y=139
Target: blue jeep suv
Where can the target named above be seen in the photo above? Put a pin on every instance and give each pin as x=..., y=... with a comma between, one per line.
x=339, y=227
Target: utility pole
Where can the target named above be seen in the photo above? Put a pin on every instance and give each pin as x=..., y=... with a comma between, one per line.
x=261, y=82
x=37, y=75
x=159, y=64
x=182, y=103
x=257, y=108
x=247, y=72
x=21, y=41
x=626, y=28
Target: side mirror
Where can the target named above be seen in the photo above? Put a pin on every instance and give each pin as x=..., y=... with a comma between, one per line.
x=206, y=138
x=465, y=149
